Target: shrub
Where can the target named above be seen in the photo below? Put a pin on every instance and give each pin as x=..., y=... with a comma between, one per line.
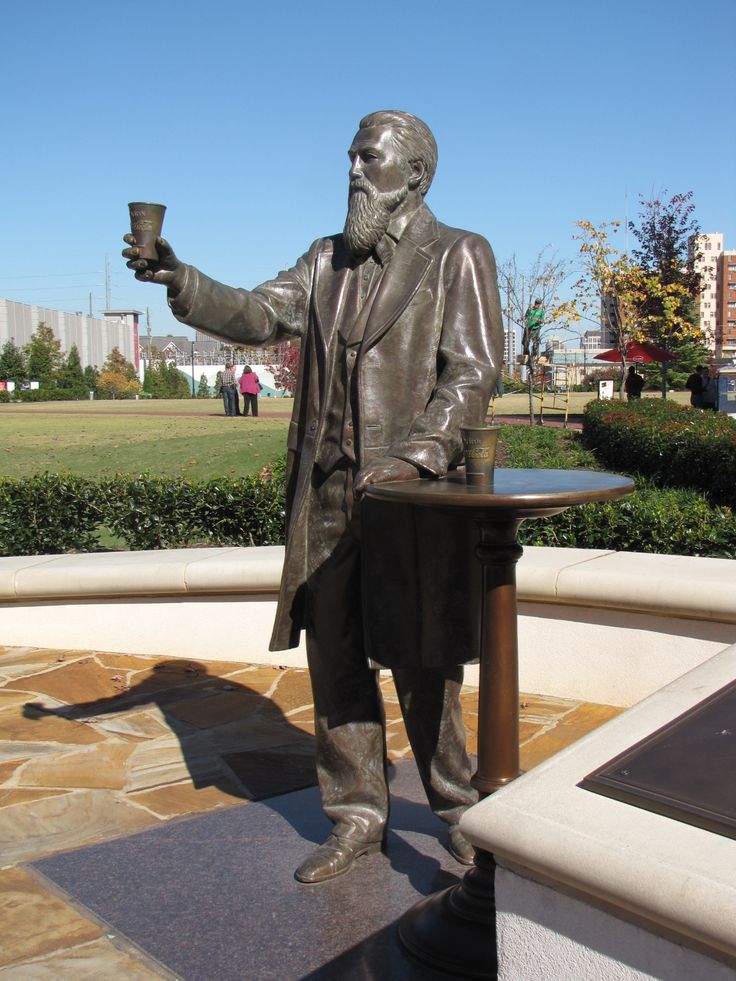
x=671, y=445
x=48, y=513
x=675, y=521
x=53, y=513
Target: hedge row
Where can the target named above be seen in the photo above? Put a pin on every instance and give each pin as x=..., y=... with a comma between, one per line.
x=672, y=521
x=669, y=444
x=43, y=395
x=52, y=513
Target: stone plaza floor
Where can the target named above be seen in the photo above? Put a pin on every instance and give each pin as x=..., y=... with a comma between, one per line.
x=139, y=744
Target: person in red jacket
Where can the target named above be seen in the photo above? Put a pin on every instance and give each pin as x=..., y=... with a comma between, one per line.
x=249, y=389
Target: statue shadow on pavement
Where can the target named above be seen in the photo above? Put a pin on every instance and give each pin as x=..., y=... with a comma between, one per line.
x=239, y=741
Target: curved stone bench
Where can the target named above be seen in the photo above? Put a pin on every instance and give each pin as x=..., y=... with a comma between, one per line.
x=599, y=626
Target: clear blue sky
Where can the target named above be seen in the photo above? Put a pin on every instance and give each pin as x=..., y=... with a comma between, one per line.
x=238, y=115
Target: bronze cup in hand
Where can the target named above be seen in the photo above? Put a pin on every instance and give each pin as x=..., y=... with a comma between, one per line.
x=146, y=221
x=479, y=446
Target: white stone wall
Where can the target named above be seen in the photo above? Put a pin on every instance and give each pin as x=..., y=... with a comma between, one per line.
x=545, y=935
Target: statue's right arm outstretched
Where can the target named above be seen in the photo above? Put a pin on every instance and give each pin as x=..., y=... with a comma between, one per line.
x=271, y=313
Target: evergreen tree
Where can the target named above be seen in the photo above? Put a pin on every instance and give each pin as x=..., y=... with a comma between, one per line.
x=203, y=390
x=13, y=364
x=91, y=376
x=70, y=377
x=44, y=357
x=177, y=386
x=152, y=379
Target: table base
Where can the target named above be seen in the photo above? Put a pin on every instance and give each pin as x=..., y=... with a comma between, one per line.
x=454, y=930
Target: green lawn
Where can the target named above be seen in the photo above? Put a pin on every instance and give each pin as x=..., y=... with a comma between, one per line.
x=168, y=438
x=187, y=437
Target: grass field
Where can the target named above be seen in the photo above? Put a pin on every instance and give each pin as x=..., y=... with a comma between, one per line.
x=169, y=438
x=188, y=438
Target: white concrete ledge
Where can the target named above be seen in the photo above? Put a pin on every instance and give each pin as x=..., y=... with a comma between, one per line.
x=586, y=881
x=585, y=617
x=699, y=589
x=173, y=572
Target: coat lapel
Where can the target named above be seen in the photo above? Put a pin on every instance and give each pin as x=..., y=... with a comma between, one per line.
x=331, y=288
x=404, y=275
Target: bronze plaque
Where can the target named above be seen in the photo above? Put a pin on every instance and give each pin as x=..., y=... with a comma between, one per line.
x=686, y=770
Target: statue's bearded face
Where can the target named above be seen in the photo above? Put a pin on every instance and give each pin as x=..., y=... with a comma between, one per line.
x=379, y=183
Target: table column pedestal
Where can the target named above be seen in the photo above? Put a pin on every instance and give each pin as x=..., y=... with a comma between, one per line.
x=454, y=929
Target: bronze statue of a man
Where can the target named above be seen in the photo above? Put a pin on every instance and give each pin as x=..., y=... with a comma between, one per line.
x=401, y=341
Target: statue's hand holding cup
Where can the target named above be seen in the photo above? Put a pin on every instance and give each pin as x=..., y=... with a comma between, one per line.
x=149, y=256
x=146, y=222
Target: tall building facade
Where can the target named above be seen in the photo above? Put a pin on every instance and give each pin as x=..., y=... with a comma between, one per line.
x=717, y=302
x=94, y=338
x=707, y=248
x=726, y=303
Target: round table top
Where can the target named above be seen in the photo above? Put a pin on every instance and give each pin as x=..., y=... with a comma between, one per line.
x=512, y=490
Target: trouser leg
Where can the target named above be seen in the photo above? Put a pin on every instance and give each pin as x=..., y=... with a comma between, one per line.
x=349, y=718
x=430, y=704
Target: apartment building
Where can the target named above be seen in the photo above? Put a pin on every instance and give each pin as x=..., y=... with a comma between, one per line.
x=717, y=302
x=726, y=303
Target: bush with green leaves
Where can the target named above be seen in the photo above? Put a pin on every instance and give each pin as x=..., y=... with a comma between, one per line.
x=49, y=513
x=673, y=521
x=54, y=513
x=669, y=444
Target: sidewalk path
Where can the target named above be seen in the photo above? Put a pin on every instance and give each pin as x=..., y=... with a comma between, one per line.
x=137, y=742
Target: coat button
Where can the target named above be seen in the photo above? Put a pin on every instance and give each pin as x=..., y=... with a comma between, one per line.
x=348, y=442
x=312, y=426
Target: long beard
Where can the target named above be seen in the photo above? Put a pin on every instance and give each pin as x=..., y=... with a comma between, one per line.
x=369, y=212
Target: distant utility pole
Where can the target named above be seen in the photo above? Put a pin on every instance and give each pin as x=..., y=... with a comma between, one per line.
x=90, y=305
x=107, y=282
x=148, y=331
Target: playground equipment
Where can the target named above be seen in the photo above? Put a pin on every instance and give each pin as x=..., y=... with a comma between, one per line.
x=552, y=380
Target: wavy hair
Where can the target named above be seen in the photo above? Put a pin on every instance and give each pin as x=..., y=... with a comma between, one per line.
x=412, y=137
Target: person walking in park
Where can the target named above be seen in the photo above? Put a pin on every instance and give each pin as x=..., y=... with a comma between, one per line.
x=401, y=341
x=249, y=389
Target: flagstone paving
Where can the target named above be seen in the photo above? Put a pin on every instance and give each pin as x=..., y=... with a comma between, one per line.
x=134, y=742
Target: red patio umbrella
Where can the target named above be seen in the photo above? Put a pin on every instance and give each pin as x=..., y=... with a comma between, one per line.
x=643, y=353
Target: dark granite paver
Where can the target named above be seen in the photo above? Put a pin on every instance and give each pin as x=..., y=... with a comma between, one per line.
x=214, y=896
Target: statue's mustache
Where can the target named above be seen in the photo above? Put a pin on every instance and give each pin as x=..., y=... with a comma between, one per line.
x=359, y=184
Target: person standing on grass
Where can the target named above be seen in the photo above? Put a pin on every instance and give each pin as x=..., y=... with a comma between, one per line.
x=633, y=384
x=709, y=394
x=230, y=392
x=249, y=389
x=694, y=384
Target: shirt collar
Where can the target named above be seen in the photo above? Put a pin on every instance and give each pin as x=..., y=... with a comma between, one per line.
x=396, y=228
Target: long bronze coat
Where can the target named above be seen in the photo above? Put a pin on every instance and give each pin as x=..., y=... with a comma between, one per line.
x=431, y=350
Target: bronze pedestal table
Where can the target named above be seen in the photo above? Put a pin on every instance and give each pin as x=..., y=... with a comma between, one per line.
x=452, y=930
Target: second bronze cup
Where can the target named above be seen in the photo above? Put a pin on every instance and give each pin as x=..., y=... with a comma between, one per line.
x=479, y=446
